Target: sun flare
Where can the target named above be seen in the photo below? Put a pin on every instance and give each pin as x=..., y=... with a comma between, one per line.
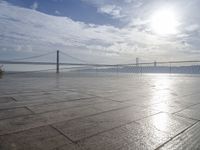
x=164, y=22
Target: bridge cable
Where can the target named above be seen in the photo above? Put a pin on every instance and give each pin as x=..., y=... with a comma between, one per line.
x=31, y=57
x=75, y=58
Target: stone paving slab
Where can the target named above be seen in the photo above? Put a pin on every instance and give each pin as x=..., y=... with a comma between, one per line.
x=83, y=113
x=135, y=135
x=70, y=147
x=167, y=123
x=142, y=102
x=64, y=105
x=16, y=104
x=15, y=112
x=170, y=106
x=189, y=140
x=125, y=96
x=6, y=100
x=66, y=95
x=36, y=120
x=192, y=112
x=81, y=128
x=193, y=98
x=21, y=92
x=42, y=101
x=42, y=138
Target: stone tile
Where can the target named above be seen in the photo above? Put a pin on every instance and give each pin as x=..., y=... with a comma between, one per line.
x=64, y=96
x=142, y=102
x=135, y=135
x=144, y=90
x=167, y=123
x=39, y=102
x=64, y=105
x=15, y=112
x=6, y=99
x=42, y=138
x=35, y=97
x=170, y=106
x=109, y=106
x=85, y=127
x=191, y=112
x=28, y=103
x=192, y=99
x=70, y=147
x=68, y=95
x=190, y=140
x=121, y=97
x=36, y=120
x=25, y=103
x=103, y=92
x=12, y=125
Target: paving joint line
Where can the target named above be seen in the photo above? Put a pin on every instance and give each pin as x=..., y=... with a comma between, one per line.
x=62, y=133
x=176, y=136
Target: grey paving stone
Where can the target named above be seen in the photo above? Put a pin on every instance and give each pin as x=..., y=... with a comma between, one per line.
x=148, y=91
x=102, y=92
x=70, y=147
x=121, y=97
x=82, y=128
x=63, y=95
x=109, y=106
x=6, y=99
x=135, y=135
x=170, y=106
x=35, y=97
x=15, y=112
x=8, y=126
x=69, y=95
x=142, y=102
x=192, y=98
x=26, y=103
x=64, y=105
x=41, y=102
x=167, y=123
x=42, y=138
x=191, y=112
x=188, y=140
x=36, y=120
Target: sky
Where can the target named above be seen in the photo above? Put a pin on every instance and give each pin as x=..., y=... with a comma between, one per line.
x=101, y=31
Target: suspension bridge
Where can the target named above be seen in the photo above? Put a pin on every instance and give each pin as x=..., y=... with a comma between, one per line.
x=83, y=64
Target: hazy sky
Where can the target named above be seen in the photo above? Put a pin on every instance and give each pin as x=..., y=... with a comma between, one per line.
x=101, y=31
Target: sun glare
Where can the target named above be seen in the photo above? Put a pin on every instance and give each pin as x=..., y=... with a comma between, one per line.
x=164, y=22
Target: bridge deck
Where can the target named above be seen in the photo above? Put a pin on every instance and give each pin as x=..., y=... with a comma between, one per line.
x=45, y=111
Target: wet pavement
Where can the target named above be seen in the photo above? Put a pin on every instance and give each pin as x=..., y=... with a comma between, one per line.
x=45, y=111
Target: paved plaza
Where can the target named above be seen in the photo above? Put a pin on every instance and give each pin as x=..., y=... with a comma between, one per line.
x=45, y=111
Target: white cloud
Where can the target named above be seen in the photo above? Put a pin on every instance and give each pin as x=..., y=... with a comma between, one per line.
x=112, y=10
x=27, y=30
x=193, y=27
x=57, y=12
x=34, y=5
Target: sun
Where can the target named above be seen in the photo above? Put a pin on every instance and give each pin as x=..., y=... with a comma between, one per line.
x=164, y=22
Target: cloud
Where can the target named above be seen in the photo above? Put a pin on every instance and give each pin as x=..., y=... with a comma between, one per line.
x=111, y=10
x=34, y=5
x=121, y=10
x=192, y=28
x=57, y=12
x=25, y=30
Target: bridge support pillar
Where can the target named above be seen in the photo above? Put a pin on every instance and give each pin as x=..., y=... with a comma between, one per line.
x=57, y=62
